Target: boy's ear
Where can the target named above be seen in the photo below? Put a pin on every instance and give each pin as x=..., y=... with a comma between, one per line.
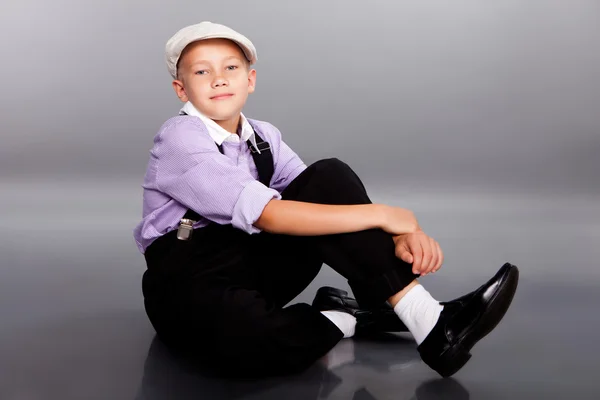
x=251, y=81
x=180, y=90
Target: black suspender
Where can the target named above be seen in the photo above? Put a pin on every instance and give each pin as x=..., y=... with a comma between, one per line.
x=264, y=165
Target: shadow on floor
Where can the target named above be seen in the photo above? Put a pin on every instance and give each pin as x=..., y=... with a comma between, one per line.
x=166, y=376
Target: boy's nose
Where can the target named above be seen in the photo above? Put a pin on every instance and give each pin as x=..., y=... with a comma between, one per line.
x=220, y=82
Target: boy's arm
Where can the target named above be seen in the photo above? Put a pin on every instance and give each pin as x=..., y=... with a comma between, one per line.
x=301, y=218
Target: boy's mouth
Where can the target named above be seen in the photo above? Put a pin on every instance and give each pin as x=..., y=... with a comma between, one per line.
x=222, y=96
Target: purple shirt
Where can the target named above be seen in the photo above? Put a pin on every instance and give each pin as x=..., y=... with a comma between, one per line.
x=186, y=170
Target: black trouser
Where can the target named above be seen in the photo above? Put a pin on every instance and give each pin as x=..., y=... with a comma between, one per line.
x=221, y=295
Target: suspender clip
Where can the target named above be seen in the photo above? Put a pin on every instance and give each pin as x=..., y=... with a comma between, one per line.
x=184, y=232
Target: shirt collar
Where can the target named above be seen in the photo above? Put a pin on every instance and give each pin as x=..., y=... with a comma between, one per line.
x=217, y=132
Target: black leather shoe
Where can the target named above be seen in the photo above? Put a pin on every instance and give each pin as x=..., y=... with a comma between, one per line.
x=466, y=320
x=381, y=319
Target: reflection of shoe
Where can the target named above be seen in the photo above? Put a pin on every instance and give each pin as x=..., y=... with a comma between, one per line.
x=441, y=389
x=385, y=352
x=381, y=319
x=466, y=320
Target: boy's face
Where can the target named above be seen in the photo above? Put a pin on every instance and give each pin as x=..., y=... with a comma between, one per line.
x=215, y=77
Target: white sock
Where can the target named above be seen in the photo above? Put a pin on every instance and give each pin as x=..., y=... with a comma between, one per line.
x=419, y=312
x=344, y=321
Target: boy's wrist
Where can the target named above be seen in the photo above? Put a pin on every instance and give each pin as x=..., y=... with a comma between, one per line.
x=379, y=215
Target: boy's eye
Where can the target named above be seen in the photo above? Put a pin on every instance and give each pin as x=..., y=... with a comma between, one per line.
x=204, y=72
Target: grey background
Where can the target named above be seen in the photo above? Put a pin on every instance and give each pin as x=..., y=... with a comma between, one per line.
x=469, y=92
x=482, y=117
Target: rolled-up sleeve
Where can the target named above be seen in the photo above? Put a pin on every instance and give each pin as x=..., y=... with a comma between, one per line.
x=191, y=170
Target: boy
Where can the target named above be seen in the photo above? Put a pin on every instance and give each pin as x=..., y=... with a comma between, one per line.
x=235, y=226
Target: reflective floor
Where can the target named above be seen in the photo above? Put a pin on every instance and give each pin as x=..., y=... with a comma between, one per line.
x=73, y=326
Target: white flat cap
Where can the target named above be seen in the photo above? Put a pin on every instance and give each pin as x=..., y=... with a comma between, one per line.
x=201, y=31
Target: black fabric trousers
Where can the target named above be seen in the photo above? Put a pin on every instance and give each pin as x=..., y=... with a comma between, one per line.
x=220, y=297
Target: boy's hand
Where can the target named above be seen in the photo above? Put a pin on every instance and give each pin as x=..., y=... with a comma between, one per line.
x=395, y=220
x=420, y=250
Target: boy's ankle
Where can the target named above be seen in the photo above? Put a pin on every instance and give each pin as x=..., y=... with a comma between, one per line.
x=398, y=296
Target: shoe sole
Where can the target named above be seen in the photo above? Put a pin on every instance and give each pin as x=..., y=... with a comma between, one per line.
x=458, y=355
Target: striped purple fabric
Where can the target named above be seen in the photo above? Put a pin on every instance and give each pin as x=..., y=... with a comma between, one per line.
x=186, y=170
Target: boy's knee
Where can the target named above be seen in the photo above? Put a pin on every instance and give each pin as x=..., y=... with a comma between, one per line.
x=332, y=167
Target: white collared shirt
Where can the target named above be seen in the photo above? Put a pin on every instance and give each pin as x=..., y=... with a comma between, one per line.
x=217, y=132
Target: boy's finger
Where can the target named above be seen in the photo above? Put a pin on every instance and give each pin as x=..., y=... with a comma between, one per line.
x=417, y=253
x=403, y=253
x=434, y=256
x=406, y=257
x=440, y=257
x=426, y=255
